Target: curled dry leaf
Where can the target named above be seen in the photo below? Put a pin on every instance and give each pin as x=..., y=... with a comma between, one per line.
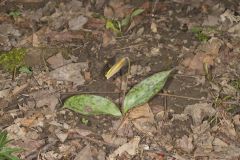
x=143, y=119
x=108, y=38
x=205, y=54
x=186, y=143
x=130, y=147
x=116, y=140
x=84, y=154
x=71, y=72
x=199, y=111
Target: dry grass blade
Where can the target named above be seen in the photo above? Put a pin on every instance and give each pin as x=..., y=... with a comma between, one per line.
x=116, y=67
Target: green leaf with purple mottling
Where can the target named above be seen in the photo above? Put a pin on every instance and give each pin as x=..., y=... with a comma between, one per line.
x=145, y=90
x=92, y=105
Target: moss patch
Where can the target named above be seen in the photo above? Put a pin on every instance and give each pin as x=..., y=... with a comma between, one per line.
x=12, y=59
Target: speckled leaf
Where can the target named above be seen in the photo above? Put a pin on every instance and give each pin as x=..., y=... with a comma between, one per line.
x=145, y=90
x=91, y=105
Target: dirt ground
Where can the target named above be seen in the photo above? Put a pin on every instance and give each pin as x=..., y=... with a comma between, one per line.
x=68, y=49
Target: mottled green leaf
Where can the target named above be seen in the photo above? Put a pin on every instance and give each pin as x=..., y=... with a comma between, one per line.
x=113, y=25
x=25, y=69
x=91, y=105
x=125, y=21
x=145, y=90
x=137, y=12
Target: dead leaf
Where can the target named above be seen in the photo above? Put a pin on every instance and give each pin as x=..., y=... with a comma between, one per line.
x=31, y=121
x=116, y=140
x=120, y=10
x=108, y=38
x=44, y=97
x=4, y=93
x=228, y=128
x=77, y=23
x=18, y=89
x=108, y=12
x=61, y=136
x=205, y=54
x=199, y=111
x=123, y=128
x=87, y=76
x=35, y=40
x=66, y=36
x=130, y=147
x=143, y=119
x=57, y=61
x=82, y=132
x=186, y=143
x=84, y=154
x=154, y=27
x=95, y=24
x=71, y=72
x=135, y=21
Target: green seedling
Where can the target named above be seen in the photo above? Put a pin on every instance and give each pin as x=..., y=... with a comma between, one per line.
x=117, y=25
x=199, y=34
x=6, y=153
x=233, y=109
x=203, y=33
x=15, y=14
x=25, y=69
x=236, y=84
x=85, y=121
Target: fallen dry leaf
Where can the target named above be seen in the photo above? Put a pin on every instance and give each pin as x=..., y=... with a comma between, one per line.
x=61, y=136
x=18, y=89
x=108, y=38
x=84, y=154
x=116, y=140
x=199, y=111
x=35, y=40
x=154, y=27
x=186, y=143
x=57, y=61
x=77, y=23
x=130, y=147
x=4, y=93
x=66, y=36
x=205, y=54
x=228, y=128
x=143, y=119
x=71, y=72
x=44, y=97
x=82, y=132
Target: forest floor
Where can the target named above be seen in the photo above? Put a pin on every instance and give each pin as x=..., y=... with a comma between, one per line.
x=67, y=48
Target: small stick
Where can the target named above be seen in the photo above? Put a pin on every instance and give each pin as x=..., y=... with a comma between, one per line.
x=92, y=140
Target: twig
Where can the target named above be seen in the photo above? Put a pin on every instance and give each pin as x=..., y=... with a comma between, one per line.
x=192, y=98
x=154, y=7
x=92, y=140
x=135, y=45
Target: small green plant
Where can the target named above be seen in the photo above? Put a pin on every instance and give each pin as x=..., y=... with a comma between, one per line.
x=235, y=84
x=6, y=153
x=140, y=94
x=12, y=59
x=117, y=25
x=199, y=34
x=85, y=121
x=15, y=14
x=25, y=69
